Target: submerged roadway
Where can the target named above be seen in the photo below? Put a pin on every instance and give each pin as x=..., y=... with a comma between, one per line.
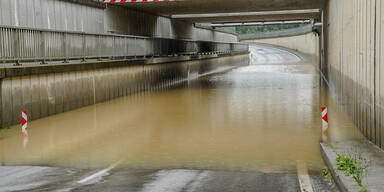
x=253, y=128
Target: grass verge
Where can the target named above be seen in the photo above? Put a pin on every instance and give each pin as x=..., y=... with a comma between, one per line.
x=352, y=168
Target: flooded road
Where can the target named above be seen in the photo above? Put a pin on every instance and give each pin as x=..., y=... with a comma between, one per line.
x=262, y=118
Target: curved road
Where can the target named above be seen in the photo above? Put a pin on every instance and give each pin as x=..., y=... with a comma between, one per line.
x=266, y=55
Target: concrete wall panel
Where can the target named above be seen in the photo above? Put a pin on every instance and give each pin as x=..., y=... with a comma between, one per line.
x=35, y=98
x=17, y=100
x=26, y=92
x=59, y=92
x=355, y=52
x=52, y=14
x=379, y=71
x=51, y=94
x=7, y=106
x=44, y=102
x=44, y=95
x=67, y=93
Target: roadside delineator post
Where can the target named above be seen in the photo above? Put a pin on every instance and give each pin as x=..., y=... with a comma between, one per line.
x=324, y=117
x=24, y=127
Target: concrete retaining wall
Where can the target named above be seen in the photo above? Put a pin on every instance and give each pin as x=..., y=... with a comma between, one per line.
x=66, y=15
x=279, y=33
x=307, y=43
x=121, y=20
x=52, y=14
x=201, y=34
x=355, y=62
x=42, y=92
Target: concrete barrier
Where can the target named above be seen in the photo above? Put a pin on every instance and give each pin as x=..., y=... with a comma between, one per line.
x=355, y=58
x=46, y=90
x=307, y=43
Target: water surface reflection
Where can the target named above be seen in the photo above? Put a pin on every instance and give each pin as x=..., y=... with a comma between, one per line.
x=265, y=116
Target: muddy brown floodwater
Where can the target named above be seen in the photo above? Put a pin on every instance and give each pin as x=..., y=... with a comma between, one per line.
x=263, y=117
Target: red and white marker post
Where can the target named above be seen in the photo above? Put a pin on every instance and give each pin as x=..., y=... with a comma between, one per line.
x=24, y=127
x=324, y=117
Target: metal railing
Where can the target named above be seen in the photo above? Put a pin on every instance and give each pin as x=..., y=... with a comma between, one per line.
x=33, y=45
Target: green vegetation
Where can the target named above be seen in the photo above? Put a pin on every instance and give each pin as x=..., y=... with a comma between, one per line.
x=352, y=168
x=226, y=29
x=265, y=28
x=326, y=173
x=364, y=189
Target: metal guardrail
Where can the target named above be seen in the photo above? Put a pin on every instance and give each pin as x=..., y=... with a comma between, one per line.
x=282, y=33
x=34, y=45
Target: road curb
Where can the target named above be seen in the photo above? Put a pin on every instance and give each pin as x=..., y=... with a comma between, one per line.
x=344, y=183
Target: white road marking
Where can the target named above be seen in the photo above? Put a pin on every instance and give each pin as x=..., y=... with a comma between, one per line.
x=99, y=174
x=304, y=179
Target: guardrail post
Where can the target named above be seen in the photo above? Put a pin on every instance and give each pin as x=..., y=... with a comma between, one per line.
x=216, y=48
x=43, y=47
x=126, y=48
x=84, y=49
x=65, y=48
x=99, y=47
x=161, y=48
x=153, y=47
x=135, y=50
x=173, y=44
x=145, y=51
x=195, y=48
x=113, y=45
x=17, y=47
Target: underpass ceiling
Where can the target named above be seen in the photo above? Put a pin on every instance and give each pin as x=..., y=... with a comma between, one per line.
x=229, y=6
x=250, y=17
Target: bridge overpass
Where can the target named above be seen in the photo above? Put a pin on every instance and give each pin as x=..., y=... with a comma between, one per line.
x=66, y=59
x=223, y=6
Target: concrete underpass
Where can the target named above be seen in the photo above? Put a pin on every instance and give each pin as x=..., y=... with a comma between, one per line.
x=157, y=96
